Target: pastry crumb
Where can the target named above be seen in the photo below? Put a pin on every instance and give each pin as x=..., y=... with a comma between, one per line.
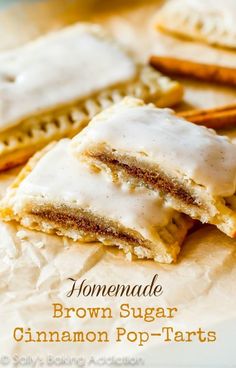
x=22, y=234
x=40, y=244
x=128, y=256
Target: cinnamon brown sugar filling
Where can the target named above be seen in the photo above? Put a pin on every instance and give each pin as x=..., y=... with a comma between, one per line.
x=82, y=222
x=152, y=179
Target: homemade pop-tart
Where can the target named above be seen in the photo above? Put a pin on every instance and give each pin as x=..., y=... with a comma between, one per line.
x=208, y=21
x=56, y=193
x=50, y=87
x=190, y=166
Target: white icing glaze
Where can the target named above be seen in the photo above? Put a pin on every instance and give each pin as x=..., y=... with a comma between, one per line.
x=212, y=7
x=219, y=19
x=60, y=178
x=193, y=151
x=58, y=69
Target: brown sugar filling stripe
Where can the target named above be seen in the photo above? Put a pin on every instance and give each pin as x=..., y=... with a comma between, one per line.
x=81, y=221
x=152, y=179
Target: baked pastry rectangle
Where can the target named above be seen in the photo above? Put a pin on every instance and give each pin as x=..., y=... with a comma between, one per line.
x=192, y=167
x=56, y=193
x=50, y=87
x=208, y=21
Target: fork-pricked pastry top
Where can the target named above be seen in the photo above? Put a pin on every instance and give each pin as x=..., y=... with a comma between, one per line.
x=210, y=21
x=58, y=69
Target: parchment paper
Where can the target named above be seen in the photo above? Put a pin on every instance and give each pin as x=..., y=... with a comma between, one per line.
x=35, y=267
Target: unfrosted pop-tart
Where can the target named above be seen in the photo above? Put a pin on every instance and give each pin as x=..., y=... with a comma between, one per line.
x=190, y=166
x=56, y=193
